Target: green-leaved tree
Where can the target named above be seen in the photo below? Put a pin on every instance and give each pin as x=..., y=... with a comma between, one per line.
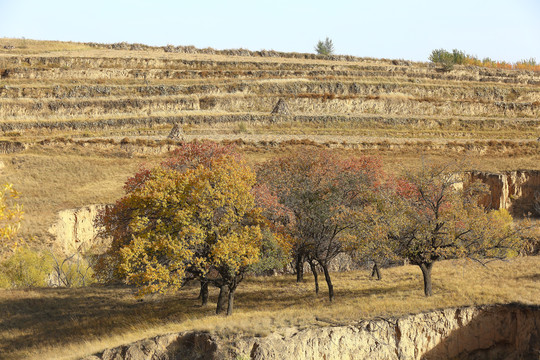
x=325, y=47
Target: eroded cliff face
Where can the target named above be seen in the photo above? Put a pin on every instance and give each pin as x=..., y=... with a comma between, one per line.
x=515, y=191
x=486, y=332
x=75, y=230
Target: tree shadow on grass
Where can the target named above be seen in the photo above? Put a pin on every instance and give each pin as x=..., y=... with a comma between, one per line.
x=54, y=317
x=531, y=277
x=273, y=298
x=62, y=316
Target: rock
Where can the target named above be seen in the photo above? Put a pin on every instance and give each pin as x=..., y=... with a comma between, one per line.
x=281, y=108
x=176, y=133
x=188, y=345
x=487, y=332
x=75, y=231
x=510, y=190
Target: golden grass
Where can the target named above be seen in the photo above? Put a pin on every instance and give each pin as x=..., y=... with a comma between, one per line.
x=62, y=178
x=385, y=127
x=28, y=46
x=60, y=323
x=358, y=127
x=66, y=174
x=406, y=95
x=427, y=87
x=67, y=324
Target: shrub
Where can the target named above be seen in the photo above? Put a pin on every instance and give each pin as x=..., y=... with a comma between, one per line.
x=25, y=268
x=10, y=219
x=4, y=280
x=273, y=256
x=443, y=58
x=459, y=57
x=487, y=61
x=527, y=64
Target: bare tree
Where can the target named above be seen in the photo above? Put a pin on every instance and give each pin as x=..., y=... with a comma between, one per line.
x=72, y=271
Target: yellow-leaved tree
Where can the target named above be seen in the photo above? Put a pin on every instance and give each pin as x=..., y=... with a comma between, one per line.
x=192, y=217
x=10, y=219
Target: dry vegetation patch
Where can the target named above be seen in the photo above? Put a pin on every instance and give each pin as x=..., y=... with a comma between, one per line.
x=69, y=323
x=64, y=173
x=51, y=179
x=120, y=104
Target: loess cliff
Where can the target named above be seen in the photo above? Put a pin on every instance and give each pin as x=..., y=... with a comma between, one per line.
x=494, y=332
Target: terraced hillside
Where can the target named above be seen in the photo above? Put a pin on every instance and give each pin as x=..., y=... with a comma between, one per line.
x=86, y=114
x=106, y=90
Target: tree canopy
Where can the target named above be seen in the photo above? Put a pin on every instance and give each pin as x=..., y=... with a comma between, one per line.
x=202, y=215
x=325, y=47
x=192, y=216
x=437, y=216
x=323, y=193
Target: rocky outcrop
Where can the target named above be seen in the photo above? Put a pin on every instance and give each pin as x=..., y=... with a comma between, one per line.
x=484, y=332
x=75, y=230
x=189, y=345
x=515, y=191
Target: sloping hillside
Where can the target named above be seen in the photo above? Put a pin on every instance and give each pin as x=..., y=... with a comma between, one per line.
x=104, y=90
x=79, y=118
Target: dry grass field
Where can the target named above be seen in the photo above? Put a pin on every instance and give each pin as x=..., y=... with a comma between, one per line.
x=76, y=120
x=64, y=175
x=70, y=323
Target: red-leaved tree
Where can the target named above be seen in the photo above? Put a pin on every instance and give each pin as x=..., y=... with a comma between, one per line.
x=322, y=194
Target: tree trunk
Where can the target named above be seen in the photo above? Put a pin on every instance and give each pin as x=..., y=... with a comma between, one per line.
x=328, y=282
x=230, y=304
x=299, y=268
x=315, y=275
x=376, y=271
x=222, y=299
x=426, y=272
x=203, y=295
